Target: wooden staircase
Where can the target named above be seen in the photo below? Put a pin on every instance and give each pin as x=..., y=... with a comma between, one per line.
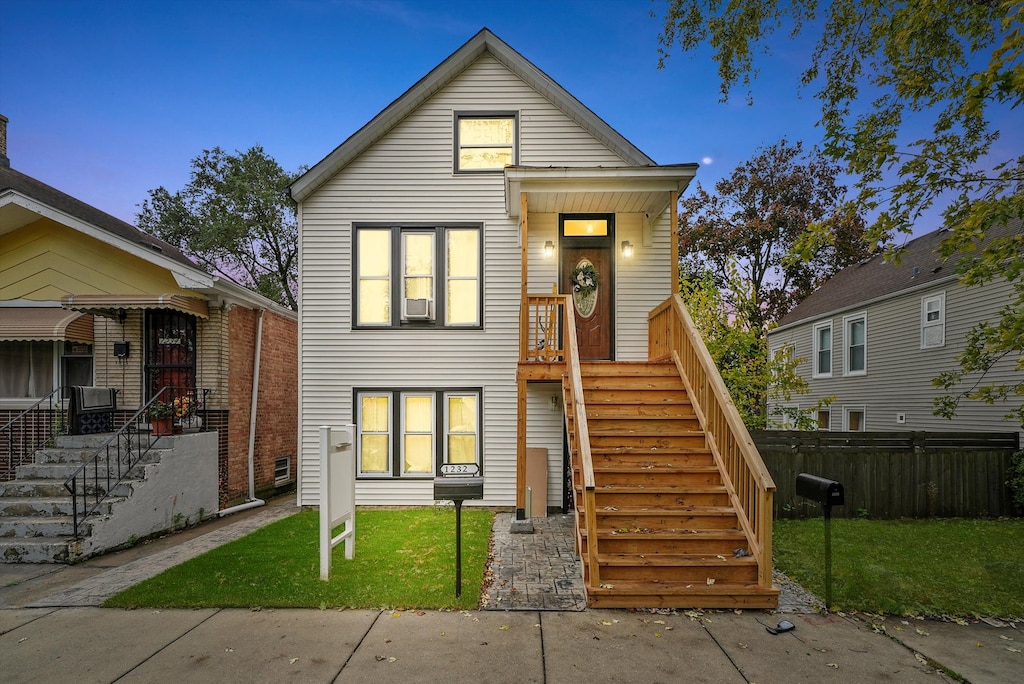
x=667, y=532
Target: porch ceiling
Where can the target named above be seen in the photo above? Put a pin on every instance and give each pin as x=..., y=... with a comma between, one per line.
x=631, y=189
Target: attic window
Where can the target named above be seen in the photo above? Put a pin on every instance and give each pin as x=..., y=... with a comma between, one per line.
x=485, y=142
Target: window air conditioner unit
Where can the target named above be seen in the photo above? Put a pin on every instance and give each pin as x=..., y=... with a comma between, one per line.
x=417, y=309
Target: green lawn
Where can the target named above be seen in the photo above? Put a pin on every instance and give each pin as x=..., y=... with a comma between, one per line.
x=910, y=567
x=404, y=559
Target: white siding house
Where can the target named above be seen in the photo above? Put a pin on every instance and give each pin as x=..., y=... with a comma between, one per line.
x=424, y=203
x=876, y=334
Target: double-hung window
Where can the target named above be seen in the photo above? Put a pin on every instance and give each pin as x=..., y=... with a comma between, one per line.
x=485, y=142
x=853, y=419
x=855, y=332
x=933, y=321
x=823, y=350
x=423, y=276
x=411, y=433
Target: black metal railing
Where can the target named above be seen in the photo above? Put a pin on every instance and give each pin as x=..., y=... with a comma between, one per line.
x=92, y=483
x=37, y=427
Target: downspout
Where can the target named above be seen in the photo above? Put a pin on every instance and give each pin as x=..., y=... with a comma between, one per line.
x=252, y=501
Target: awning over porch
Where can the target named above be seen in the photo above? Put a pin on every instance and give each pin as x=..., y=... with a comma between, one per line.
x=26, y=324
x=567, y=189
x=111, y=305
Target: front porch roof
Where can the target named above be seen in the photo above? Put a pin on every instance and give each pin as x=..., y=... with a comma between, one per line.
x=45, y=324
x=111, y=305
x=600, y=189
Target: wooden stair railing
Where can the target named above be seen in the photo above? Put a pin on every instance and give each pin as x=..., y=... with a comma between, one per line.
x=672, y=336
x=576, y=412
x=548, y=336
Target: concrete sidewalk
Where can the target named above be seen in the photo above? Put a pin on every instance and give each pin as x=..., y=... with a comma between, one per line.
x=98, y=645
x=46, y=636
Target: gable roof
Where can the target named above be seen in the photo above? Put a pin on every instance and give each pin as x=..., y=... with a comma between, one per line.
x=440, y=76
x=874, y=278
x=11, y=180
x=23, y=199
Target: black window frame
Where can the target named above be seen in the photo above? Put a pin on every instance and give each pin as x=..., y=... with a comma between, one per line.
x=440, y=276
x=457, y=146
x=395, y=429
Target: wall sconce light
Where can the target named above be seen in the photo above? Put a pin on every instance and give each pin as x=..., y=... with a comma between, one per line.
x=549, y=249
x=627, y=249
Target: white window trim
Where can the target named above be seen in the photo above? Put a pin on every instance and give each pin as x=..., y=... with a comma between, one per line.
x=941, y=323
x=847, y=321
x=782, y=420
x=815, y=372
x=846, y=417
x=818, y=412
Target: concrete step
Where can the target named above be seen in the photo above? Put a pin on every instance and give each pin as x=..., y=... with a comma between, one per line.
x=34, y=550
x=62, y=471
x=24, y=506
x=55, y=488
x=31, y=527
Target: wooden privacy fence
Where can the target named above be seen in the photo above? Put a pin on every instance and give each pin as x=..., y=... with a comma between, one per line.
x=894, y=474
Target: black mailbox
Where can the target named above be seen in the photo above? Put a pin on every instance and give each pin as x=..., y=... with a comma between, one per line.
x=826, y=492
x=458, y=488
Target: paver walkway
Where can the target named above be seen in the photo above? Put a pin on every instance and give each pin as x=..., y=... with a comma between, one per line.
x=536, y=571
x=540, y=571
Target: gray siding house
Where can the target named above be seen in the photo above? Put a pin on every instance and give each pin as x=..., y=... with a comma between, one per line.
x=876, y=334
x=441, y=173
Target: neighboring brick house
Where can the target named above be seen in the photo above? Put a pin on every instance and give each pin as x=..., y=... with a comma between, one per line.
x=77, y=283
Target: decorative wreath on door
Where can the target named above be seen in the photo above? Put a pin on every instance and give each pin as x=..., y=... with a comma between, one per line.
x=584, y=287
x=584, y=278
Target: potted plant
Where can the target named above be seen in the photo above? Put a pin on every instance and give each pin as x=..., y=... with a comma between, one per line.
x=185, y=411
x=161, y=417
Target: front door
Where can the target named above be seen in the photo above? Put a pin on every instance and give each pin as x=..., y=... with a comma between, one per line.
x=586, y=273
x=170, y=351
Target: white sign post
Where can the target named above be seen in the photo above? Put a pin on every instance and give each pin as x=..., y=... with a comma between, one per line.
x=337, y=494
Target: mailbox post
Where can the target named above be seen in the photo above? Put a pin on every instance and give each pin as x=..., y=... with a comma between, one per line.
x=458, y=482
x=828, y=493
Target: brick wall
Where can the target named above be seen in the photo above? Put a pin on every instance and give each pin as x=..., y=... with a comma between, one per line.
x=277, y=405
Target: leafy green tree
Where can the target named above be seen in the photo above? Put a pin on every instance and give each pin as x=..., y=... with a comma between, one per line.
x=907, y=90
x=755, y=218
x=235, y=218
x=740, y=351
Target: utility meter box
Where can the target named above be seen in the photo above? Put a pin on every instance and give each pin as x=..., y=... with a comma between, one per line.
x=458, y=488
x=826, y=492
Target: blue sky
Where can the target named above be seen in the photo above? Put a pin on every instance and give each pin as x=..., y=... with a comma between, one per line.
x=107, y=100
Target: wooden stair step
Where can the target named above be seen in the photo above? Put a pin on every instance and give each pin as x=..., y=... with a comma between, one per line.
x=640, y=411
x=632, y=429
x=655, y=469
x=633, y=384
x=674, y=559
x=670, y=594
x=611, y=397
x=661, y=489
x=684, y=511
x=670, y=533
x=628, y=368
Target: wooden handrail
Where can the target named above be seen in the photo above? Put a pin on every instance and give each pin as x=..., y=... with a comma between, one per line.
x=543, y=318
x=581, y=438
x=673, y=336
